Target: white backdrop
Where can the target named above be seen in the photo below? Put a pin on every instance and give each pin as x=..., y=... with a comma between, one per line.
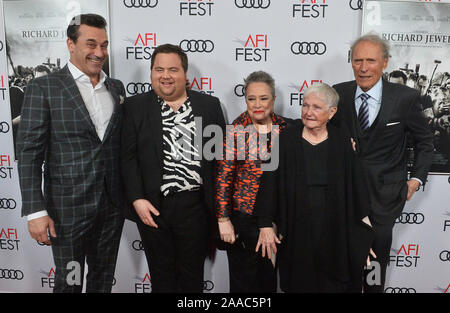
x=236, y=41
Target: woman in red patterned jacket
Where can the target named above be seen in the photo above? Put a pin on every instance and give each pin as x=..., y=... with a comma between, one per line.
x=237, y=184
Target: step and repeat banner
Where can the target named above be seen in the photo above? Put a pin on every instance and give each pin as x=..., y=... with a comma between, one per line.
x=299, y=42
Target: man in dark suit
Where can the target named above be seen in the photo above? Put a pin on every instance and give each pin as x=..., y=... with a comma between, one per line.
x=381, y=115
x=71, y=122
x=167, y=178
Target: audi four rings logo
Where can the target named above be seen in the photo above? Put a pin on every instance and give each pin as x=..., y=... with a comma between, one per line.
x=444, y=256
x=239, y=90
x=11, y=274
x=400, y=290
x=140, y=3
x=8, y=204
x=1, y=45
x=256, y=4
x=197, y=45
x=208, y=285
x=4, y=127
x=137, y=245
x=312, y=48
x=135, y=88
x=355, y=4
x=410, y=218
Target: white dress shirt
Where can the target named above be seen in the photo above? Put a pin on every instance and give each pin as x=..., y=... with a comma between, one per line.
x=99, y=103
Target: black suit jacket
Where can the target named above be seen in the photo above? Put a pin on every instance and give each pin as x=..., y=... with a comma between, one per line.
x=384, y=155
x=56, y=129
x=142, y=154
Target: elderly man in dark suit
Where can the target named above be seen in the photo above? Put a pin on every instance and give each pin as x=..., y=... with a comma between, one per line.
x=167, y=178
x=71, y=123
x=380, y=116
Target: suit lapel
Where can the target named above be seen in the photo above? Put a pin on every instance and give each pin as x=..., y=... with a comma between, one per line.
x=116, y=112
x=154, y=116
x=387, y=105
x=72, y=95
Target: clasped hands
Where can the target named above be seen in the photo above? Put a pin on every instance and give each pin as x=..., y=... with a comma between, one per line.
x=267, y=239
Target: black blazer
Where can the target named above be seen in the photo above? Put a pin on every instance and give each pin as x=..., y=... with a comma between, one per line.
x=142, y=154
x=384, y=155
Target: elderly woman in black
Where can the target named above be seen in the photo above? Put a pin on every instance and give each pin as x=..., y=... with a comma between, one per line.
x=317, y=199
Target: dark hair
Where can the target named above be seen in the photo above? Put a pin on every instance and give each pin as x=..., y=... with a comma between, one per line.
x=168, y=48
x=399, y=74
x=42, y=68
x=91, y=19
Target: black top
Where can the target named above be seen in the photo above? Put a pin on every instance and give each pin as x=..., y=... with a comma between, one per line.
x=315, y=160
x=284, y=196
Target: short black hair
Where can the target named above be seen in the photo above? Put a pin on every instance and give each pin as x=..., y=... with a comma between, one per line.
x=399, y=74
x=91, y=19
x=168, y=48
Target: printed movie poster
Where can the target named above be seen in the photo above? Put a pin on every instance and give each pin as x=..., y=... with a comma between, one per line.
x=35, y=32
x=419, y=35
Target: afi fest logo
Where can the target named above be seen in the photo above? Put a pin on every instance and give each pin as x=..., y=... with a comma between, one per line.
x=407, y=256
x=252, y=4
x=144, y=285
x=296, y=98
x=143, y=47
x=9, y=239
x=5, y=166
x=140, y=3
x=202, y=84
x=309, y=9
x=48, y=280
x=196, y=7
x=256, y=48
x=2, y=88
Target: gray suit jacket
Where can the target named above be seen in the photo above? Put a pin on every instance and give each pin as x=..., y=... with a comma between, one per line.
x=56, y=130
x=384, y=155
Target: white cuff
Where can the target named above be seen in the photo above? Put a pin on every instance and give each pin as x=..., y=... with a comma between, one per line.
x=37, y=215
x=420, y=182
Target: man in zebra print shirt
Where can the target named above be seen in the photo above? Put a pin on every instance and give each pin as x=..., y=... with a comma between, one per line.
x=167, y=179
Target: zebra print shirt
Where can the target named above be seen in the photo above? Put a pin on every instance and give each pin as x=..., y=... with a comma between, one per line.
x=181, y=162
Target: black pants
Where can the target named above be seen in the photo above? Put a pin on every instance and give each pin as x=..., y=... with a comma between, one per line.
x=176, y=250
x=249, y=271
x=381, y=247
x=94, y=239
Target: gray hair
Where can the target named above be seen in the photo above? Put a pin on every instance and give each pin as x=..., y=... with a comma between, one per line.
x=325, y=92
x=260, y=77
x=375, y=39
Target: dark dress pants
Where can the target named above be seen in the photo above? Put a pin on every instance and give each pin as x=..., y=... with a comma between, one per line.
x=95, y=239
x=249, y=271
x=381, y=247
x=176, y=250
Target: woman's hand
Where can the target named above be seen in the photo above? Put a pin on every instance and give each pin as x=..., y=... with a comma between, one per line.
x=226, y=231
x=267, y=240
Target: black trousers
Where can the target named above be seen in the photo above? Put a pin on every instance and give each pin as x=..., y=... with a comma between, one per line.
x=176, y=250
x=94, y=239
x=381, y=247
x=249, y=271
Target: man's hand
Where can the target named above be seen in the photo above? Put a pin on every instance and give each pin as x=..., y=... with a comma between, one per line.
x=226, y=231
x=40, y=227
x=413, y=185
x=143, y=209
x=267, y=240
